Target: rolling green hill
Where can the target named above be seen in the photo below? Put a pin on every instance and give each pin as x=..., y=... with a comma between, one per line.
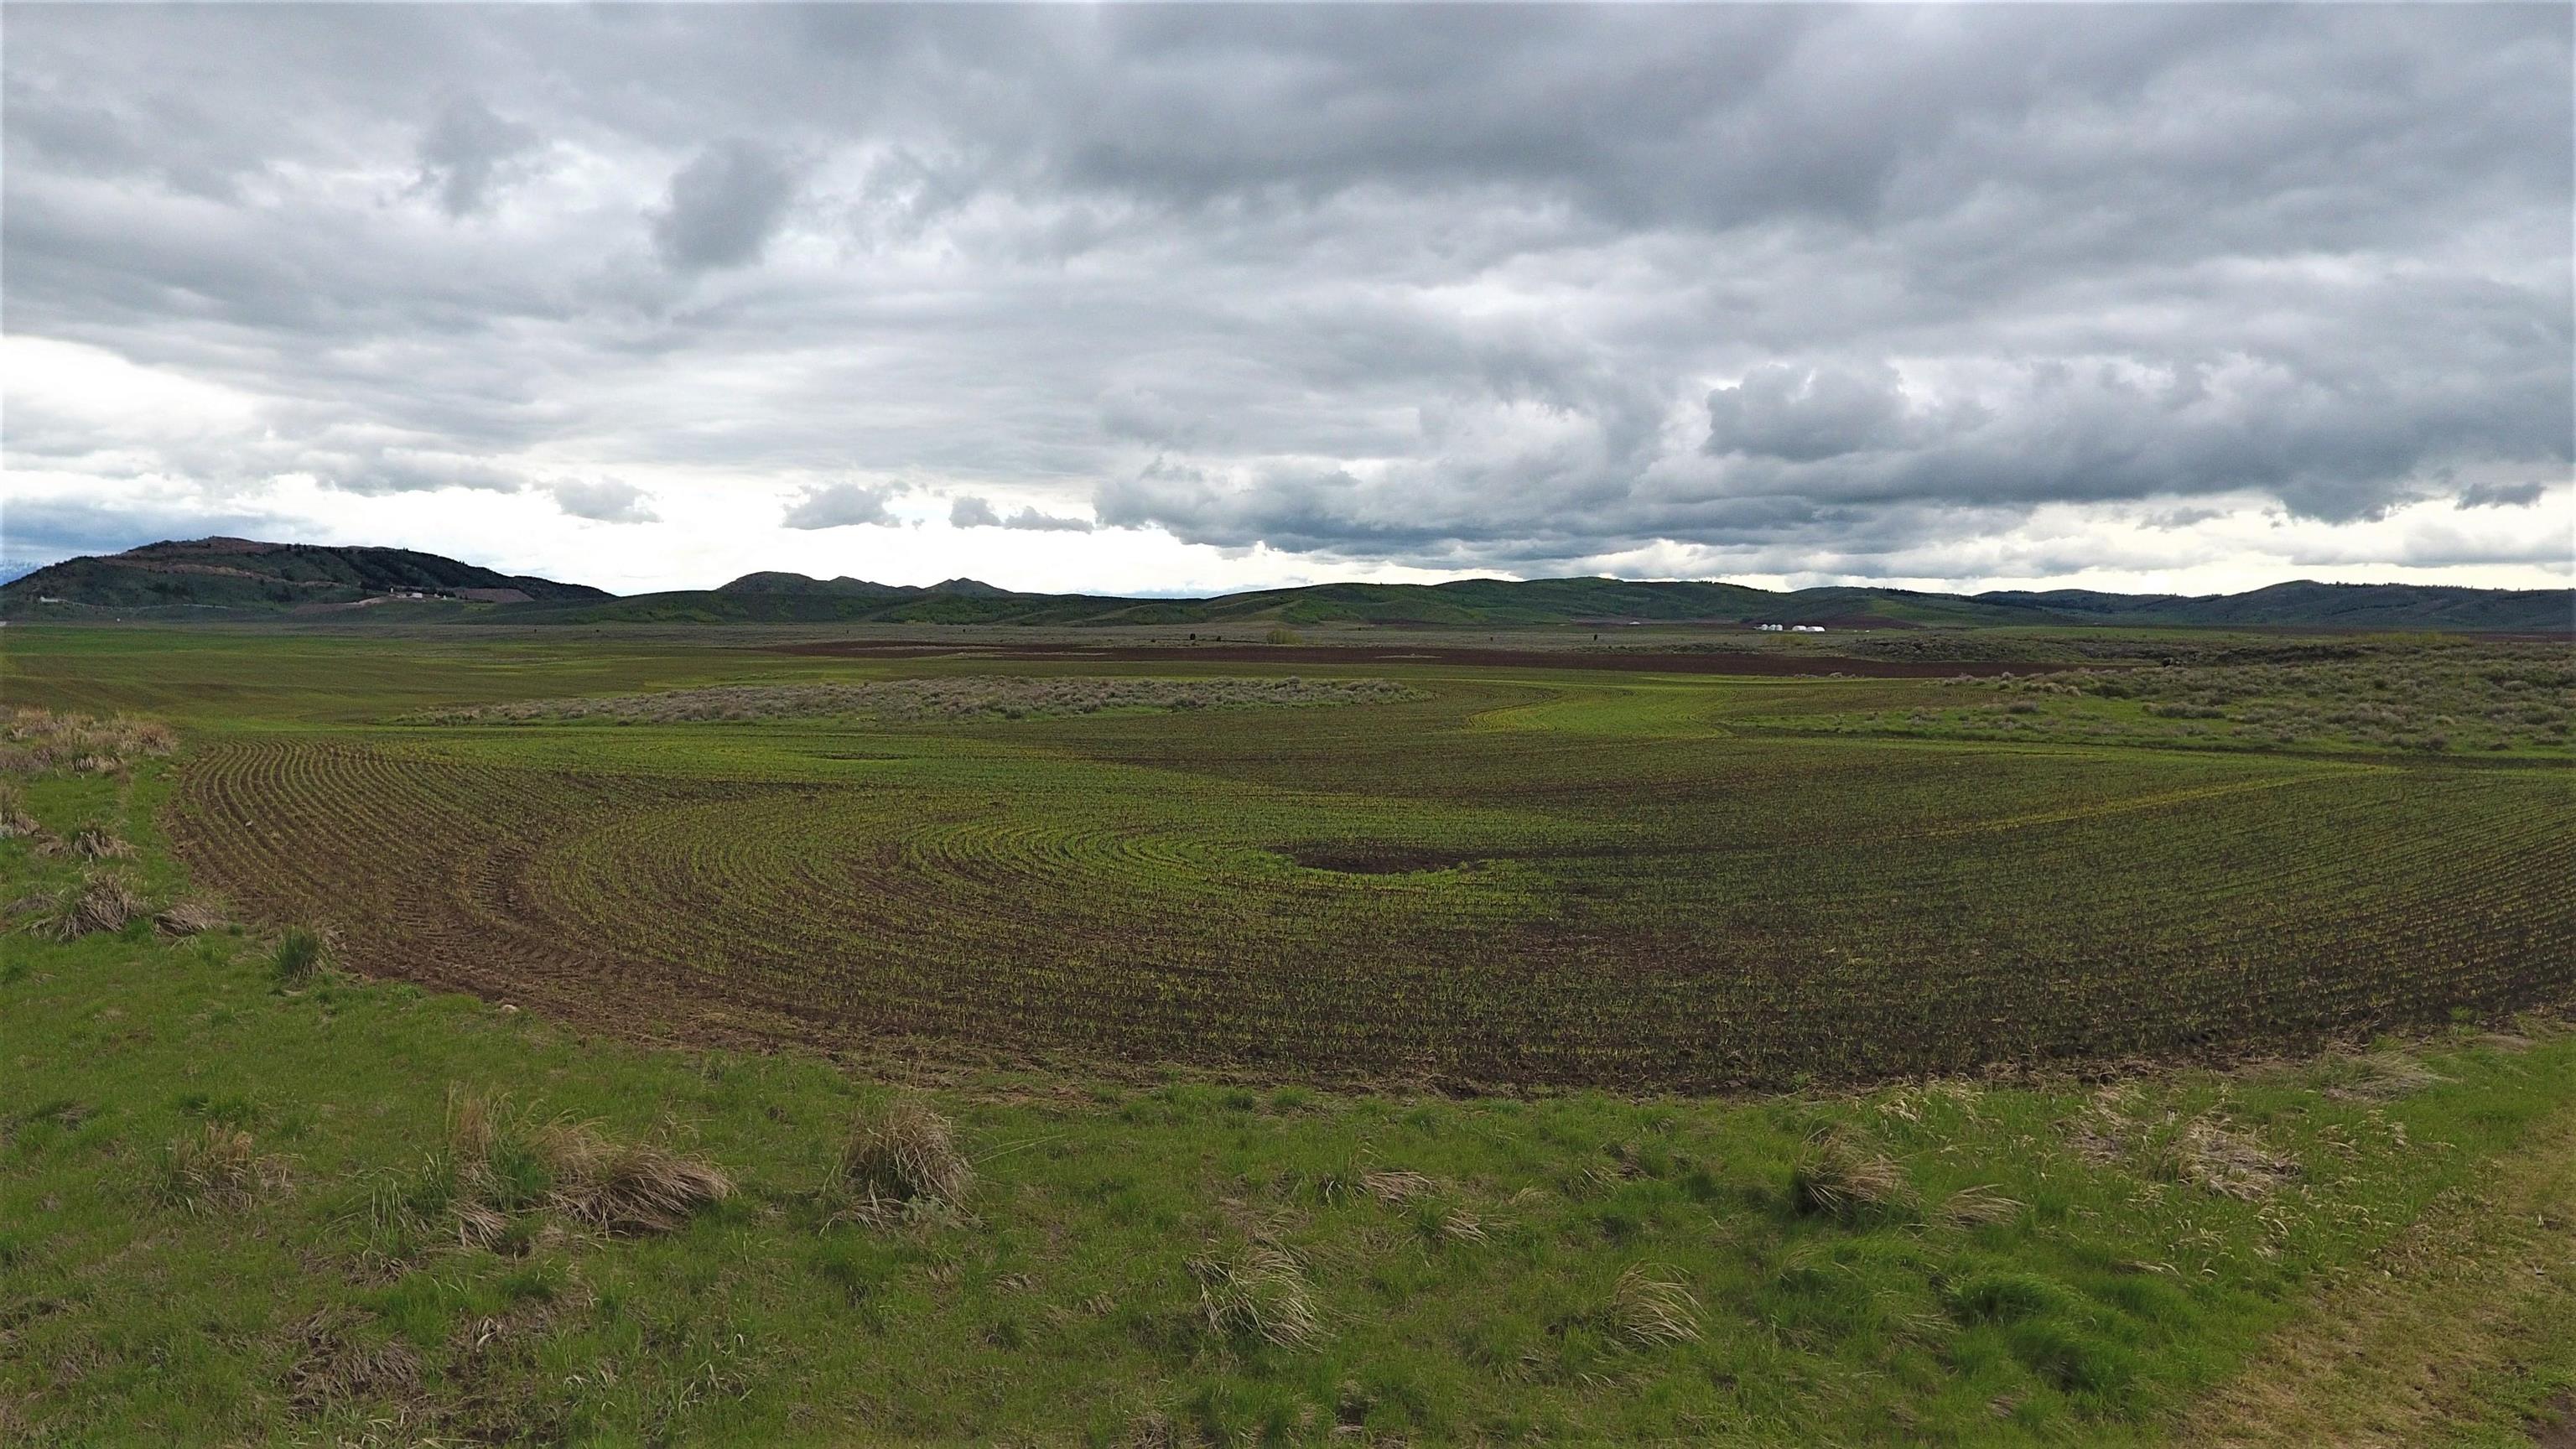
x=1470, y=603
x=792, y=598
x=2335, y=606
x=233, y=576
x=238, y=575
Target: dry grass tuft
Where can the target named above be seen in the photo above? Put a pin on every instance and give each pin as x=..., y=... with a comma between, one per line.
x=1397, y=1186
x=1461, y=1226
x=219, y=1168
x=2220, y=1159
x=2103, y=1133
x=101, y=901
x=1649, y=1311
x=1258, y=1293
x=474, y=1122
x=2204, y=1150
x=500, y=1167
x=332, y=1366
x=625, y=1187
x=478, y=1223
x=194, y=916
x=1979, y=1206
x=2381, y=1077
x=34, y=741
x=1838, y=1176
x=488, y=1181
x=15, y=822
x=96, y=843
x=1155, y=1429
x=901, y=1153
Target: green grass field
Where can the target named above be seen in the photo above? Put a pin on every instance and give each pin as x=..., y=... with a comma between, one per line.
x=1491, y=1054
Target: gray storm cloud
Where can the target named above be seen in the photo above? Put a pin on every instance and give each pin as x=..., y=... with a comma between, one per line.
x=969, y=511
x=465, y=152
x=1452, y=286
x=724, y=206
x=2502, y=495
x=1806, y=415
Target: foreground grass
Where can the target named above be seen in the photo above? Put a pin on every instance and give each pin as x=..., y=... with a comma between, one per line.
x=2462, y=1331
x=233, y=1206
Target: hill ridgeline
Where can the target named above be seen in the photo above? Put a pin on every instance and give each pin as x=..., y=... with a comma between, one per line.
x=242, y=578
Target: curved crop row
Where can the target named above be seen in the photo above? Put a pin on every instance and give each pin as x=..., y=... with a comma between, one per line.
x=1494, y=905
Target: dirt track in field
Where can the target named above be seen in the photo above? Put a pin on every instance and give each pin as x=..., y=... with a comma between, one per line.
x=1635, y=662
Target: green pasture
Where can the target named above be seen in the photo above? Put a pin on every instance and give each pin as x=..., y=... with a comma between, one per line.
x=1195, y=1070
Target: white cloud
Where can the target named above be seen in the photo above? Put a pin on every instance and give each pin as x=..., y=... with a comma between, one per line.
x=603, y=500
x=841, y=505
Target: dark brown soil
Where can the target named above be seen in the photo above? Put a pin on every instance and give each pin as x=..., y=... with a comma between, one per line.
x=2558, y=1429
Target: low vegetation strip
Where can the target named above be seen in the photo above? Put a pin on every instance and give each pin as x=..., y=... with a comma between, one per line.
x=2491, y=700
x=1610, y=656
x=2422, y=697
x=981, y=697
x=35, y=741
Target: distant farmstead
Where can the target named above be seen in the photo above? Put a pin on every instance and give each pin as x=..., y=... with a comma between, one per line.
x=480, y=596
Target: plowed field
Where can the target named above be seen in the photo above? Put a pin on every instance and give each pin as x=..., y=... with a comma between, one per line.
x=1520, y=875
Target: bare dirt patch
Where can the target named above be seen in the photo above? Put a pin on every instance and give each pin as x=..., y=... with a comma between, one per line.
x=1366, y=859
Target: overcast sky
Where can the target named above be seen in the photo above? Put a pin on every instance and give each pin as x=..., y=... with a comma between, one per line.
x=1165, y=299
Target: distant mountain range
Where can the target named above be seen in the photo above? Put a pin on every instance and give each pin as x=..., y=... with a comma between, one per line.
x=231, y=577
